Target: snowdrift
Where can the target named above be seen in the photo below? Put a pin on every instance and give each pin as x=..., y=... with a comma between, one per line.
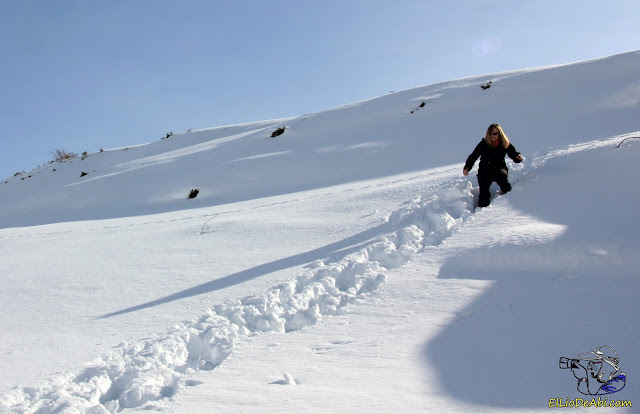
x=352, y=214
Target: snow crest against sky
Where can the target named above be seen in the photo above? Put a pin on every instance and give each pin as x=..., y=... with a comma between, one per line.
x=87, y=75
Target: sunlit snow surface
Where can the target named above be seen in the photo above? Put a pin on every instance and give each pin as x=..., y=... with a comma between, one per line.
x=339, y=267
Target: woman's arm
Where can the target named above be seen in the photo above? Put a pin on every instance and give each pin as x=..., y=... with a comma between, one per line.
x=513, y=154
x=472, y=158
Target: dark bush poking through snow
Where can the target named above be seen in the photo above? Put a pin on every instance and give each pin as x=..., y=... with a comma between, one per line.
x=194, y=193
x=277, y=132
x=422, y=105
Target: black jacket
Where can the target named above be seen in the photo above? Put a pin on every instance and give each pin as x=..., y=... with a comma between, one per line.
x=491, y=158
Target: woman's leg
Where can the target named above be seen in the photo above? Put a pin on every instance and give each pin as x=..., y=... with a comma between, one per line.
x=484, y=181
x=502, y=180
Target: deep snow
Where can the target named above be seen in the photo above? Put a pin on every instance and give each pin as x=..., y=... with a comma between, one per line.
x=339, y=267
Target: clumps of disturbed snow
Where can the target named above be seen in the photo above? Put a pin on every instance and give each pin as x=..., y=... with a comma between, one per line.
x=143, y=373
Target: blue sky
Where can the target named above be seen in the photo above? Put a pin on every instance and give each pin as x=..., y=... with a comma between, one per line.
x=85, y=75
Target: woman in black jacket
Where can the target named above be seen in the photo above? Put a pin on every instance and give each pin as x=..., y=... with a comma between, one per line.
x=492, y=150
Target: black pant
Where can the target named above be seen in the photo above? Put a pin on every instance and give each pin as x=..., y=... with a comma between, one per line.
x=485, y=178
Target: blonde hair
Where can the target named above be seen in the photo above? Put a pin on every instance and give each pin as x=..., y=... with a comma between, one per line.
x=503, y=137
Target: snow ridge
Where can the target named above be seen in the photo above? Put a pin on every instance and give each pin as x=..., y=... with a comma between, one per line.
x=143, y=373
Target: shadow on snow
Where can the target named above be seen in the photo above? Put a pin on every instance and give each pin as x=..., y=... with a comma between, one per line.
x=549, y=300
x=331, y=251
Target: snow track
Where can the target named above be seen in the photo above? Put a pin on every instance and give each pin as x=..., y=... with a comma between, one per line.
x=145, y=372
x=142, y=373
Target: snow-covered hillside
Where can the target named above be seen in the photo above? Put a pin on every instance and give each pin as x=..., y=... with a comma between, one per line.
x=338, y=267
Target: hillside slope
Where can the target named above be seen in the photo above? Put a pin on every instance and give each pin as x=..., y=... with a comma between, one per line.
x=539, y=108
x=339, y=267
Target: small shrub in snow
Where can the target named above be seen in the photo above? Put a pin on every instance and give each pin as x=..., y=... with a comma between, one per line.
x=487, y=86
x=194, y=193
x=60, y=155
x=277, y=132
x=422, y=105
x=83, y=174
